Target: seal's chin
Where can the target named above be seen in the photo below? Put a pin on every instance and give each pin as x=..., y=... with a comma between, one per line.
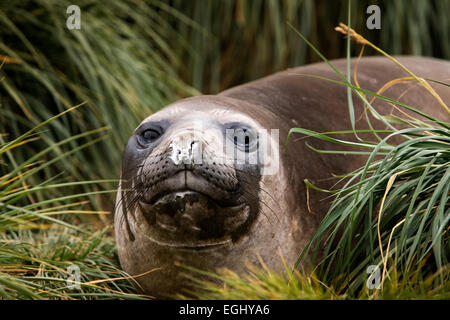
x=190, y=219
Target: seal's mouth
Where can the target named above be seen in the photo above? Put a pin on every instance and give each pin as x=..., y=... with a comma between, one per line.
x=188, y=217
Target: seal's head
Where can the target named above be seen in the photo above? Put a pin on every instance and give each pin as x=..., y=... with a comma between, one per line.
x=200, y=183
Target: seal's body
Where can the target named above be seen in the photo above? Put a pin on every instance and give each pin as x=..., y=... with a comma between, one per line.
x=185, y=199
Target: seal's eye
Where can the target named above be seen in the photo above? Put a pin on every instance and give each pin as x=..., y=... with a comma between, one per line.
x=148, y=136
x=244, y=138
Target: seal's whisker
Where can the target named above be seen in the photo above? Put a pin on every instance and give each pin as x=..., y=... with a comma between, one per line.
x=246, y=193
x=264, y=190
x=136, y=196
x=126, y=192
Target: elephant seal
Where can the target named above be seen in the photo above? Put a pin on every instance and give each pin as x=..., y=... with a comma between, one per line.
x=185, y=199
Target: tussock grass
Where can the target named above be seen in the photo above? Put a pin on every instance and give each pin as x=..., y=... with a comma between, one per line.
x=38, y=245
x=120, y=64
x=245, y=40
x=393, y=213
x=36, y=265
x=259, y=283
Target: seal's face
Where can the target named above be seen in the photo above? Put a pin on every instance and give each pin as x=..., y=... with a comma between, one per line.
x=191, y=192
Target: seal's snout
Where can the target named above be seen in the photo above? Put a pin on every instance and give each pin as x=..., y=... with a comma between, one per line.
x=194, y=215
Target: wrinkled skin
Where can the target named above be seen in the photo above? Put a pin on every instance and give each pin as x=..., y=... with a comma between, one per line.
x=184, y=201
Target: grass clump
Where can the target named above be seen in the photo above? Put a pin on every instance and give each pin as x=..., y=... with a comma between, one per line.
x=38, y=265
x=393, y=213
x=259, y=283
x=39, y=241
x=119, y=63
